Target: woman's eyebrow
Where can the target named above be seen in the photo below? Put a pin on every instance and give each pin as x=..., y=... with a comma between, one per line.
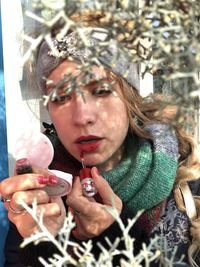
x=89, y=84
x=94, y=82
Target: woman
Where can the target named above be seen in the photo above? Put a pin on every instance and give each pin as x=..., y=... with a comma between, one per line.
x=136, y=157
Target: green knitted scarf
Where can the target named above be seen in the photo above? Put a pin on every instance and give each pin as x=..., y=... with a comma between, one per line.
x=147, y=173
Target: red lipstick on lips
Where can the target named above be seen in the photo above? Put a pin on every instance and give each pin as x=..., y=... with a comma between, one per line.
x=88, y=143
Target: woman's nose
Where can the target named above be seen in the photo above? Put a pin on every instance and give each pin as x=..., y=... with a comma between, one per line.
x=84, y=112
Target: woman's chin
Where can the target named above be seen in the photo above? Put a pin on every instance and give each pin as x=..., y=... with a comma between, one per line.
x=91, y=161
x=95, y=159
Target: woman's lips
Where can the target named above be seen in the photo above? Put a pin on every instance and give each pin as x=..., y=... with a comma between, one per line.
x=88, y=143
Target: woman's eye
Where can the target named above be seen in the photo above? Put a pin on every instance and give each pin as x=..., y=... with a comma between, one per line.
x=102, y=91
x=61, y=99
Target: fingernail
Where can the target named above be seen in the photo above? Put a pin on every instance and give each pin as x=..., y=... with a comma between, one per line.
x=53, y=179
x=43, y=179
x=76, y=178
x=97, y=171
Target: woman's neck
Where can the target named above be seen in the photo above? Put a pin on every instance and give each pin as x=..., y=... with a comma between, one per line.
x=112, y=161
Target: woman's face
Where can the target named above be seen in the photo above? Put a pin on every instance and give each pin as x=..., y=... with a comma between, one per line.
x=96, y=126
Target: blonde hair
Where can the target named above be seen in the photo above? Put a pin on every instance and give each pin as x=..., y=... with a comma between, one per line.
x=151, y=109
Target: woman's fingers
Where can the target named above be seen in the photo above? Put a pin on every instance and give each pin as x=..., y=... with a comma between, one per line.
x=90, y=216
x=40, y=196
x=53, y=217
x=25, y=182
x=20, y=183
x=108, y=197
x=30, y=187
x=25, y=188
x=59, y=202
x=47, y=210
x=75, y=198
x=77, y=188
x=49, y=206
x=80, y=231
x=78, y=202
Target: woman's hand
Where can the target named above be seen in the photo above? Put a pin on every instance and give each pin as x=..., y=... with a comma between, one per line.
x=90, y=216
x=29, y=187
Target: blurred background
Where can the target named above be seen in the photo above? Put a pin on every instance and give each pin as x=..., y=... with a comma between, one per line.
x=3, y=150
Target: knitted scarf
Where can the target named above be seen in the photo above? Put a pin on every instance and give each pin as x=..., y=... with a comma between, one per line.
x=147, y=173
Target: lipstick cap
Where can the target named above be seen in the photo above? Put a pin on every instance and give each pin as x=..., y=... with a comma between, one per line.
x=22, y=161
x=23, y=166
x=85, y=173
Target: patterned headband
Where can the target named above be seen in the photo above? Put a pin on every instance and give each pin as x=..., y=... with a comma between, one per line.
x=93, y=44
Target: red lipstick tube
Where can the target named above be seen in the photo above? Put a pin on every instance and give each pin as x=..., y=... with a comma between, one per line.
x=87, y=182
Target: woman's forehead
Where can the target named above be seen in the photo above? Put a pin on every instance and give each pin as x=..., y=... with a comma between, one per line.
x=73, y=69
